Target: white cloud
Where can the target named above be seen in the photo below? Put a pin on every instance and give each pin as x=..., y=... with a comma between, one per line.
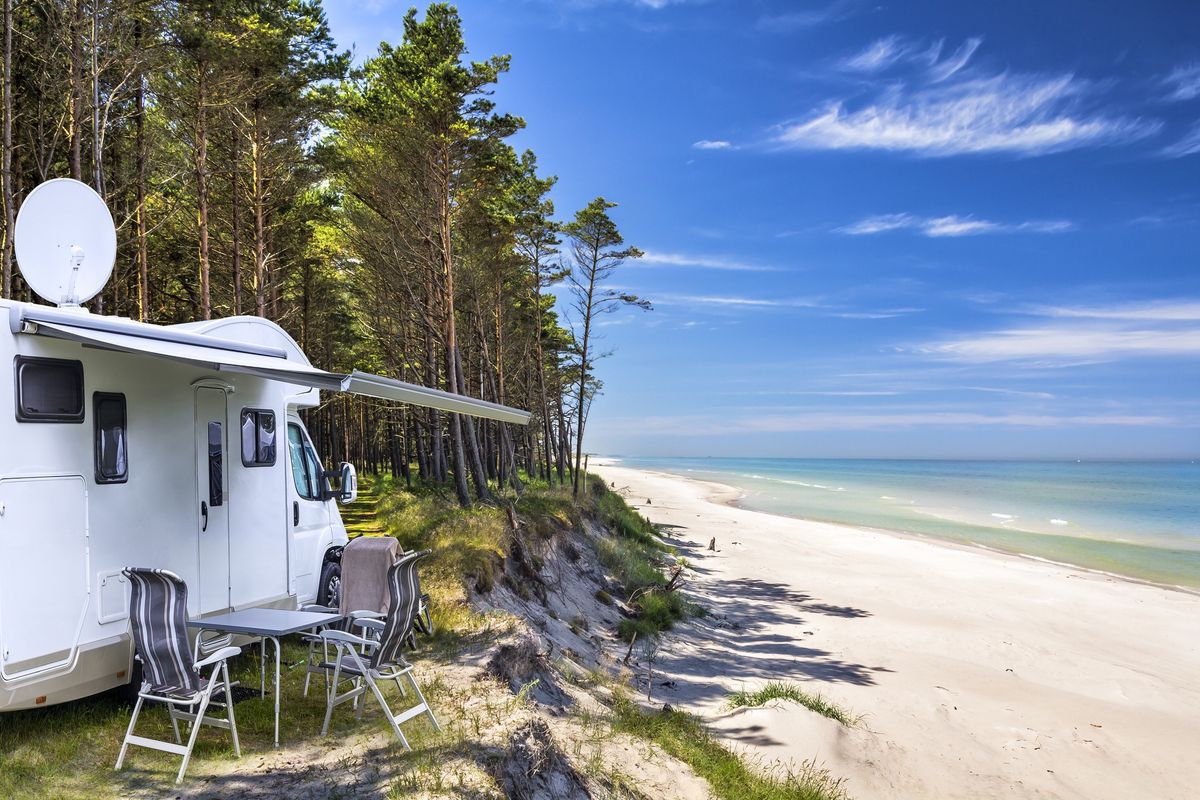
x=702, y=261
x=878, y=55
x=950, y=225
x=735, y=301
x=1006, y=113
x=1184, y=82
x=1162, y=311
x=1188, y=145
x=958, y=226
x=1056, y=343
x=880, y=224
x=942, y=70
x=708, y=144
x=882, y=54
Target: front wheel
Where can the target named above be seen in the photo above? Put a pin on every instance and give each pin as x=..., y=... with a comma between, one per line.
x=330, y=592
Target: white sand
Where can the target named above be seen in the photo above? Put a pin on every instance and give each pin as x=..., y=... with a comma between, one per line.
x=978, y=674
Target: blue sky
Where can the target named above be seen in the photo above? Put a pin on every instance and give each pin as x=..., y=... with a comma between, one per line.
x=906, y=229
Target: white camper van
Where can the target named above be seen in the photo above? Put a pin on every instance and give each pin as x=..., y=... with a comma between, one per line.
x=124, y=443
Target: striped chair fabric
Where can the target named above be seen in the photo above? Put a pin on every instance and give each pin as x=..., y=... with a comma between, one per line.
x=170, y=671
x=158, y=616
x=384, y=658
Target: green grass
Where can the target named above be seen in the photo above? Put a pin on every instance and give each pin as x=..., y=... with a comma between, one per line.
x=636, y=557
x=729, y=777
x=792, y=693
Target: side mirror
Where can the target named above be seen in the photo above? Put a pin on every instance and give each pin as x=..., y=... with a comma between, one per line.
x=349, y=485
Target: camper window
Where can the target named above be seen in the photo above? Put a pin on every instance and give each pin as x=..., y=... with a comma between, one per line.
x=112, y=464
x=216, y=469
x=258, y=437
x=49, y=390
x=306, y=470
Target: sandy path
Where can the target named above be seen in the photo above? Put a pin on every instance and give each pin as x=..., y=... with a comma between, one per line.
x=978, y=674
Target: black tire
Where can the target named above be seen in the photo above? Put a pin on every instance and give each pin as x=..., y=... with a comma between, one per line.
x=329, y=592
x=128, y=694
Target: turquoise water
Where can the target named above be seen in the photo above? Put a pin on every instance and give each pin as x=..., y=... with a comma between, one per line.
x=1139, y=519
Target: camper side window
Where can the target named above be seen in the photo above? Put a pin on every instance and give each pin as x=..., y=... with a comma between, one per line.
x=49, y=390
x=112, y=465
x=258, y=437
x=306, y=470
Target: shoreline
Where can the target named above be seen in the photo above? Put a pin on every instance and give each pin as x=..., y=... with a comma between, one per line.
x=720, y=490
x=978, y=673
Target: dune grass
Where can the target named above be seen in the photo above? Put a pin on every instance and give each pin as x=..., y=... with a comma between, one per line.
x=729, y=776
x=776, y=690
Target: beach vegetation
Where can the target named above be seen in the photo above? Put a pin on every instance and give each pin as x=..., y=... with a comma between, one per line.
x=790, y=692
x=730, y=776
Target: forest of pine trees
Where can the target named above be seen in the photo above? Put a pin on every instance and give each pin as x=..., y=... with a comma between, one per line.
x=378, y=214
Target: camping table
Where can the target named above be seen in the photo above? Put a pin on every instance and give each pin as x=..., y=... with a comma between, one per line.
x=266, y=623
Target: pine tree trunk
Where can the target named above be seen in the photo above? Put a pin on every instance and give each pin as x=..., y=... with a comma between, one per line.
x=202, y=186
x=6, y=170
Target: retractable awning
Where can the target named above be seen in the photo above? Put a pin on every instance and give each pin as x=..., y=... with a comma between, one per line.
x=224, y=355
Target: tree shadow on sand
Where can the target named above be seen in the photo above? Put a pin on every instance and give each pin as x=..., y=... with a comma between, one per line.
x=747, y=634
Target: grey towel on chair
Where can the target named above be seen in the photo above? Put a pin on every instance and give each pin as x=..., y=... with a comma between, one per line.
x=365, y=564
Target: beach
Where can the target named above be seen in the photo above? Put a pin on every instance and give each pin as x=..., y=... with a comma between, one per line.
x=973, y=673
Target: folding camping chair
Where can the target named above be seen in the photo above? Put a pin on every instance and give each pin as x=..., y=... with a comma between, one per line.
x=380, y=658
x=363, y=595
x=171, y=673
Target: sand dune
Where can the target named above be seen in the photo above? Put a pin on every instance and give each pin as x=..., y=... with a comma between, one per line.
x=978, y=674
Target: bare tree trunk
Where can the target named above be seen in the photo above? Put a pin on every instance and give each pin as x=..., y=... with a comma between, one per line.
x=259, y=201
x=481, y=487
x=75, y=31
x=235, y=212
x=202, y=185
x=6, y=167
x=143, y=256
x=583, y=364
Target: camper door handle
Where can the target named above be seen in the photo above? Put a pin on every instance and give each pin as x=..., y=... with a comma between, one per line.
x=295, y=513
x=204, y=513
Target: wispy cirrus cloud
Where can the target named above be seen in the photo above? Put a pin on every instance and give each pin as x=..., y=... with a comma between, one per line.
x=712, y=144
x=1160, y=311
x=1073, y=335
x=791, y=21
x=735, y=301
x=1005, y=113
x=949, y=226
x=879, y=55
x=1188, y=145
x=702, y=261
x=882, y=54
x=1184, y=82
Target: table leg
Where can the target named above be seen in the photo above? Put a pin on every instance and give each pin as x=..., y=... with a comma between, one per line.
x=277, y=689
x=262, y=667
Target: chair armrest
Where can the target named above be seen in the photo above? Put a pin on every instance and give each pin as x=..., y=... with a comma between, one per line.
x=319, y=609
x=364, y=614
x=342, y=636
x=221, y=655
x=371, y=624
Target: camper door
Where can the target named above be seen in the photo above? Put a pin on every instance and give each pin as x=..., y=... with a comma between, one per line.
x=212, y=498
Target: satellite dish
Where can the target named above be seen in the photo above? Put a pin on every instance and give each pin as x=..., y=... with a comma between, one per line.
x=65, y=242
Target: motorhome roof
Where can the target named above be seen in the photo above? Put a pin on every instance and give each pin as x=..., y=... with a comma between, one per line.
x=173, y=343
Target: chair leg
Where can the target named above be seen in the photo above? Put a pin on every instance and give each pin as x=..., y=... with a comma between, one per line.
x=237, y=746
x=196, y=725
x=308, y=667
x=388, y=712
x=422, y=701
x=331, y=695
x=174, y=724
x=137, y=709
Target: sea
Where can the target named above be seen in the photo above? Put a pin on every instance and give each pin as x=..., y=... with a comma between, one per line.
x=1137, y=519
